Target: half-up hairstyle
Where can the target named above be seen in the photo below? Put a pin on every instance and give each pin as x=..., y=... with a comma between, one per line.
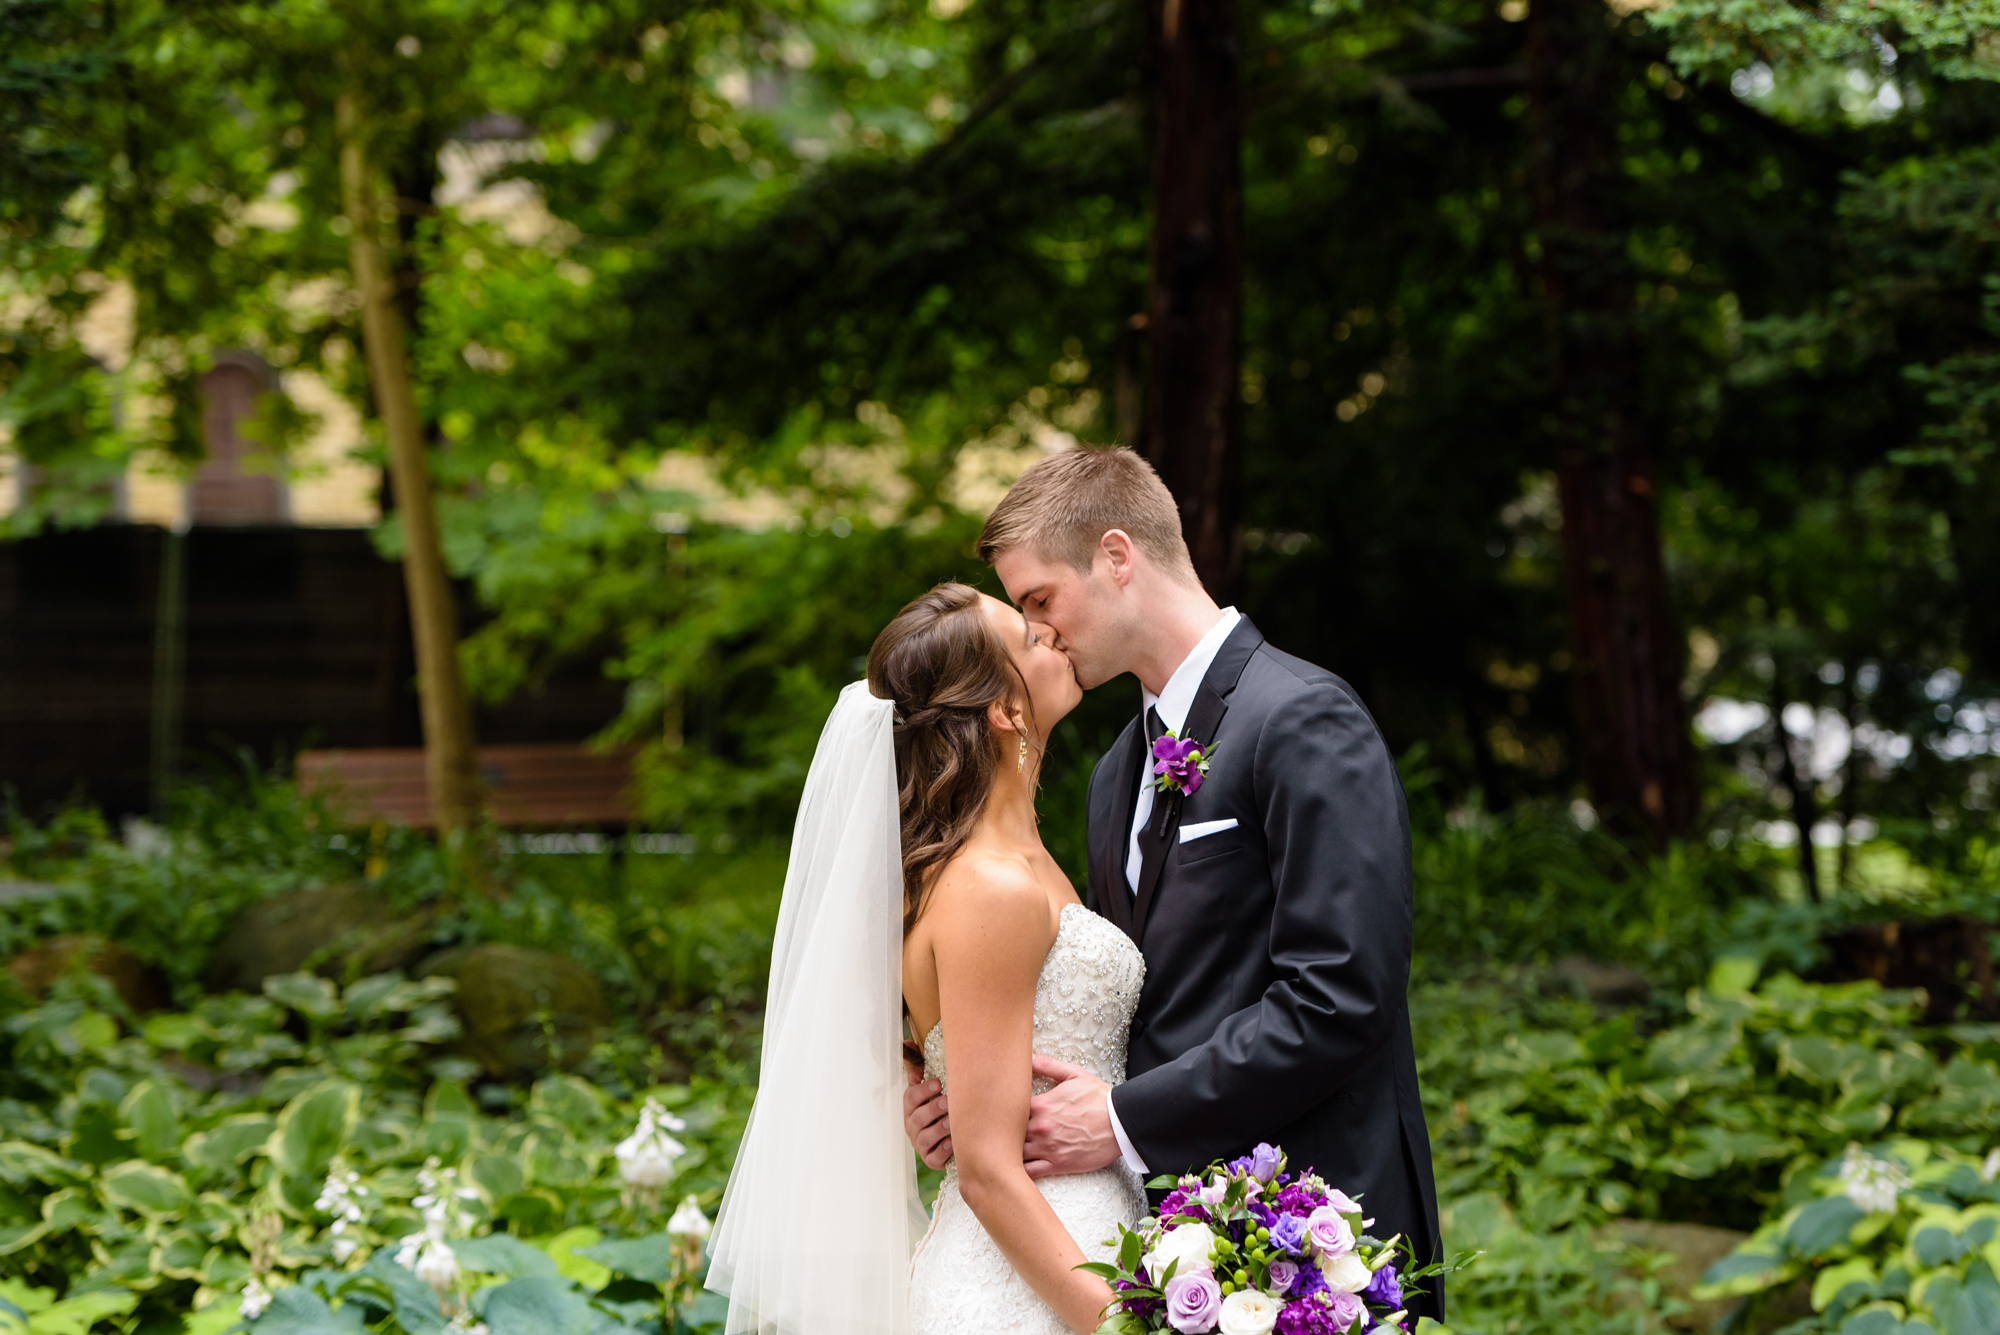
x=942, y=664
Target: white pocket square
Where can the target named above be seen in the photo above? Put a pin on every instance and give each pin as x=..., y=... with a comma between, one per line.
x=1202, y=829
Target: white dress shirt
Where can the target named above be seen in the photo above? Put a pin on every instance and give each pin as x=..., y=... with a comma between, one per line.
x=1173, y=702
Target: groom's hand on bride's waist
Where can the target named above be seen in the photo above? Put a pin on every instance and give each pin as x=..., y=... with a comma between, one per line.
x=1069, y=1128
x=924, y=1119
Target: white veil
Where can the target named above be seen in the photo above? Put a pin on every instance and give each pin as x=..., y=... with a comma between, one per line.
x=821, y=1212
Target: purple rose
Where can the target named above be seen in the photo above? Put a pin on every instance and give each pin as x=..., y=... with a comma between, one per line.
x=1384, y=1288
x=1289, y=1233
x=1194, y=1303
x=1329, y=1232
x=1264, y=1161
x=1283, y=1272
x=1348, y=1309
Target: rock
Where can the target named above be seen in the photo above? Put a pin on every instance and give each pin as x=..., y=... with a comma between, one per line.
x=138, y=984
x=342, y=931
x=1691, y=1249
x=1604, y=984
x=514, y=1003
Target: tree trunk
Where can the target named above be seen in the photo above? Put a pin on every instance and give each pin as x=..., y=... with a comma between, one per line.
x=1805, y=811
x=1631, y=720
x=1193, y=428
x=448, y=755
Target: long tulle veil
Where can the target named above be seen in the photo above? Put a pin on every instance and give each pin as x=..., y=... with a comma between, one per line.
x=822, y=1211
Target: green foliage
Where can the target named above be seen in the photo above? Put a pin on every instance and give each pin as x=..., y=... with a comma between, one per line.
x=1525, y=1281
x=1898, y=1236
x=158, y=1170
x=1703, y=1120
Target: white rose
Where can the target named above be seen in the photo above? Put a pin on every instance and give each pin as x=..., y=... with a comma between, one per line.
x=1190, y=1244
x=1249, y=1313
x=1346, y=1273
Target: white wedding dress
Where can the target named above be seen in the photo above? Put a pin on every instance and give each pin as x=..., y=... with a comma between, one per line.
x=960, y=1282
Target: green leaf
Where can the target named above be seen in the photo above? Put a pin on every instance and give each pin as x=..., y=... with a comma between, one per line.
x=650, y=1258
x=297, y=1310
x=22, y=1162
x=148, y=1113
x=13, y=1237
x=564, y=1248
x=1974, y=1309
x=497, y=1175
x=228, y=1144
x=1836, y=1280
x=215, y=1319
x=416, y=1307
x=505, y=1254
x=26, y=1299
x=538, y=1306
x=1748, y=1269
x=313, y=1127
x=1733, y=975
x=144, y=1187
x=1822, y=1225
x=308, y=994
x=75, y=1316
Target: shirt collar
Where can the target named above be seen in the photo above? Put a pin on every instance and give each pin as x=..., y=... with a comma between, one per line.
x=1178, y=697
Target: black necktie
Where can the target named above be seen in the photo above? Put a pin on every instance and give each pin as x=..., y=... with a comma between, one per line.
x=1149, y=838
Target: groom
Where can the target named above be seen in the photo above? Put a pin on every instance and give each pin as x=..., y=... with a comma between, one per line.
x=1272, y=903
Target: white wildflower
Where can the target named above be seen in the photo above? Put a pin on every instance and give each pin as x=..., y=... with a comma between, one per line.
x=1990, y=1169
x=646, y=1157
x=427, y=1252
x=688, y=1221
x=1872, y=1184
x=254, y=1300
x=341, y=1197
x=463, y=1324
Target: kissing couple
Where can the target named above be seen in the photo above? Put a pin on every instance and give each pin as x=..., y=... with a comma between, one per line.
x=1238, y=974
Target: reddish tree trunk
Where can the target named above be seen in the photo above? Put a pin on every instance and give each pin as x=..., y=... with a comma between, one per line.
x=1193, y=431
x=1631, y=720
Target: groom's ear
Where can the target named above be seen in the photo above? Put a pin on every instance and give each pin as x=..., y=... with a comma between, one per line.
x=1119, y=554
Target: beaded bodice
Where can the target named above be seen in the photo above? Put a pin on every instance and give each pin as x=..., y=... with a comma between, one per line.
x=1084, y=999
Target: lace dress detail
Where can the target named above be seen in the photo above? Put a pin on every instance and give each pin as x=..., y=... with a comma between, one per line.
x=960, y=1281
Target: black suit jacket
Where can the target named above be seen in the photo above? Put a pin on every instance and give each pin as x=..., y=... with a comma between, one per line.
x=1277, y=953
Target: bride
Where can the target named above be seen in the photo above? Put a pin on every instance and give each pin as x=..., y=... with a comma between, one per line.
x=919, y=894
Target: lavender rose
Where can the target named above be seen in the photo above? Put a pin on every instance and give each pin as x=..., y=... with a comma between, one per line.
x=1341, y=1203
x=1283, y=1272
x=1347, y=1309
x=1385, y=1288
x=1194, y=1302
x=1329, y=1232
x=1264, y=1161
x=1289, y=1233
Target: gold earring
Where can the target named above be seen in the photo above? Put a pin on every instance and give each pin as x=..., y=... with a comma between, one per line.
x=1022, y=764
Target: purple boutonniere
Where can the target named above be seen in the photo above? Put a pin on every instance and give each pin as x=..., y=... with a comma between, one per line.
x=1179, y=766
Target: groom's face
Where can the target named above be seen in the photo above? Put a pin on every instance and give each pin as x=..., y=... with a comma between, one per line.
x=1078, y=609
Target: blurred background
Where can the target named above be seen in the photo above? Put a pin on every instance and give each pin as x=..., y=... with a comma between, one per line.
x=452, y=454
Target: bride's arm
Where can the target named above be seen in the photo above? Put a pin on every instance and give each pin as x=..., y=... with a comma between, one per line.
x=990, y=934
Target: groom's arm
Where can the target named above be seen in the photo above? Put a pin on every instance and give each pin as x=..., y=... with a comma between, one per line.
x=1338, y=839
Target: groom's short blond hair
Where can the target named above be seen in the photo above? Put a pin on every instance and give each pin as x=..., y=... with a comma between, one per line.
x=1062, y=507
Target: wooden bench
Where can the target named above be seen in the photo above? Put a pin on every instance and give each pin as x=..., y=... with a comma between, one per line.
x=549, y=786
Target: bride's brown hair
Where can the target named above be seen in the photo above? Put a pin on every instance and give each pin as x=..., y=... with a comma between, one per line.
x=942, y=664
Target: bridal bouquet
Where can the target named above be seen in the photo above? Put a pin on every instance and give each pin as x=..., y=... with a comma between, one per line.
x=1253, y=1250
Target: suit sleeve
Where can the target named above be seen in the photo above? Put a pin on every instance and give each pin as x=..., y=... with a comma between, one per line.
x=1337, y=832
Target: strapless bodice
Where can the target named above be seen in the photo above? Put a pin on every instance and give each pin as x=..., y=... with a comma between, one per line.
x=1084, y=999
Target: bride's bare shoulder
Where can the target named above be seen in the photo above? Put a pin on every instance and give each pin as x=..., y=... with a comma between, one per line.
x=984, y=888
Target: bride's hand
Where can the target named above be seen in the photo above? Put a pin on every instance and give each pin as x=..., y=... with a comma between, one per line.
x=1069, y=1128
x=924, y=1120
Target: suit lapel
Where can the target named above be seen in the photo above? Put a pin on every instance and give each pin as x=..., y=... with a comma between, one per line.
x=1204, y=717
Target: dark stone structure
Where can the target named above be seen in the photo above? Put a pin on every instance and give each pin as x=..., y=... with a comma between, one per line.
x=282, y=637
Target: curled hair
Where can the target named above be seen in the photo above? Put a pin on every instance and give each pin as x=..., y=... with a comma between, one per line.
x=942, y=664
